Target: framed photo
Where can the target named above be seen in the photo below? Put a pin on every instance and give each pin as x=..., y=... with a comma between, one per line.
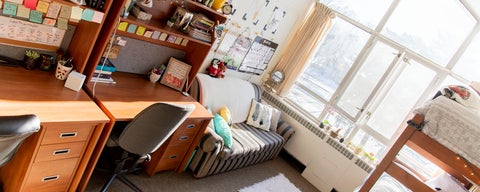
x=176, y=74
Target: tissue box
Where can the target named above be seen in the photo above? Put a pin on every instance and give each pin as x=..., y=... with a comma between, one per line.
x=75, y=81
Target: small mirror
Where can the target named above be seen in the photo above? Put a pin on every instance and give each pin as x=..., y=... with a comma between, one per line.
x=277, y=77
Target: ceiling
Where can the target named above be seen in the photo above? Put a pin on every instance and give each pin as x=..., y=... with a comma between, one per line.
x=474, y=5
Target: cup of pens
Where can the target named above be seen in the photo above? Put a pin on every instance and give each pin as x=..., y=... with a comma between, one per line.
x=64, y=67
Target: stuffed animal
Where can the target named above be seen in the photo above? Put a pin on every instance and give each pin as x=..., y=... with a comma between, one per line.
x=217, y=68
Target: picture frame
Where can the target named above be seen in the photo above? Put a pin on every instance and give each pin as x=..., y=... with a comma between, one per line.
x=176, y=74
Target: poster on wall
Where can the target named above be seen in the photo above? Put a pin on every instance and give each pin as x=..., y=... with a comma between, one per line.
x=237, y=52
x=258, y=56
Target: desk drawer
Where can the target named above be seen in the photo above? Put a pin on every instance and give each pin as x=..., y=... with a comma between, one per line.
x=59, y=151
x=190, y=125
x=172, y=157
x=182, y=137
x=51, y=175
x=67, y=133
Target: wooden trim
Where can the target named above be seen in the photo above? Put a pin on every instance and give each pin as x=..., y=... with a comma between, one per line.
x=406, y=179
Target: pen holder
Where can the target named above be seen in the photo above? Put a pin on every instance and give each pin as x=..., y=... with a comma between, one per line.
x=62, y=71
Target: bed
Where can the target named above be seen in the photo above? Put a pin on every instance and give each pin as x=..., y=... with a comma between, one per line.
x=446, y=133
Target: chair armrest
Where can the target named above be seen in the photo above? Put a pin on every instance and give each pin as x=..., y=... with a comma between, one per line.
x=285, y=130
x=210, y=141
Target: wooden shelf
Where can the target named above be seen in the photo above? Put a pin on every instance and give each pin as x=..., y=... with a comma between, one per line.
x=155, y=25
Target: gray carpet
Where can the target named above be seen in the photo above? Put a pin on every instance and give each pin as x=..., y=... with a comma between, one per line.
x=224, y=182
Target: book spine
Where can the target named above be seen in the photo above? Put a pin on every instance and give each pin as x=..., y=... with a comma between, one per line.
x=105, y=68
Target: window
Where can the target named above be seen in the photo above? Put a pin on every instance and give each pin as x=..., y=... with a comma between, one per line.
x=380, y=60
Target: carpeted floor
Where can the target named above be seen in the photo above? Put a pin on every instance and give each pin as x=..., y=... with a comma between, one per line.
x=224, y=182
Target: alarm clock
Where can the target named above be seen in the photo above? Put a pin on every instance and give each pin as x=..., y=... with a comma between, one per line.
x=227, y=9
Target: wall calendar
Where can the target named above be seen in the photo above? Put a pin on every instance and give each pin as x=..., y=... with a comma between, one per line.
x=20, y=30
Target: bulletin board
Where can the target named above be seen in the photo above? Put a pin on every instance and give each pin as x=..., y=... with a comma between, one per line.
x=20, y=30
x=258, y=56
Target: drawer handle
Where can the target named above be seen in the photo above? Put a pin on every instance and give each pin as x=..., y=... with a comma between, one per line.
x=68, y=134
x=183, y=138
x=50, y=178
x=190, y=126
x=172, y=156
x=61, y=151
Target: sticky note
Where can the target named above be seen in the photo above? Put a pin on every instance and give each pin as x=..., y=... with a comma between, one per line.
x=23, y=12
x=171, y=38
x=132, y=28
x=140, y=30
x=10, y=8
x=156, y=35
x=76, y=13
x=97, y=17
x=65, y=11
x=148, y=34
x=184, y=42
x=62, y=23
x=53, y=10
x=1, y=4
x=87, y=15
x=42, y=6
x=122, y=26
x=36, y=16
x=163, y=37
x=49, y=21
x=178, y=40
x=31, y=4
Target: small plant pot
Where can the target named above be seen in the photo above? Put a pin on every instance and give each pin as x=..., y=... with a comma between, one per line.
x=154, y=77
x=30, y=63
x=62, y=70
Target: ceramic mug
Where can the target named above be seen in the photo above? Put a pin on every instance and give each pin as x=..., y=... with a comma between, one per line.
x=62, y=71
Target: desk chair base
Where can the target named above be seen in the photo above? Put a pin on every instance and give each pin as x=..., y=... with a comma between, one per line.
x=119, y=170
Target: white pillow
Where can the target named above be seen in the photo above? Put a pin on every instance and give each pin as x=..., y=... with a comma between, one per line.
x=275, y=117
x=260, y=115
x=462, y=95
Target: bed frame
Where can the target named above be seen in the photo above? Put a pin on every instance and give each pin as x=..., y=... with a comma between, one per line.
x=446, y=159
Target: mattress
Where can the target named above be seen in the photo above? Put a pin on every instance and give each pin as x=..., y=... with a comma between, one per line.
x=454, y=126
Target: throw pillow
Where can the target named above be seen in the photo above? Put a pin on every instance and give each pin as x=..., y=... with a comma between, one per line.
x=275, y=117
x=225, y=113
x=260, y=115
x=223, y=130
x=462, y=95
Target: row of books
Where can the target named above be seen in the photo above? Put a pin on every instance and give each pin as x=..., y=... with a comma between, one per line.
x=201, y=27
x=103, y=72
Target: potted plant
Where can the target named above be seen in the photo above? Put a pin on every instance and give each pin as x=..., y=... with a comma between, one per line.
x=31, y=59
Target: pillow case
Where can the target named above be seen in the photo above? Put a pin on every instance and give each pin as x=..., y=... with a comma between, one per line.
x=223, y=130
x=225, y=113
x=260, y=115
x=275, y=117
x=462, y=95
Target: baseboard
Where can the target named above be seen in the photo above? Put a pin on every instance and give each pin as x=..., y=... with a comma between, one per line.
x=292, y=161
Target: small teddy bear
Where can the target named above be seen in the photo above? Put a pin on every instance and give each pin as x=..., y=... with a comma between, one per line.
x=217, y=68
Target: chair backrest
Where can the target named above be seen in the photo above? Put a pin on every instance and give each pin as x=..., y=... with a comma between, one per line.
x=153, y=126
x=13, y=131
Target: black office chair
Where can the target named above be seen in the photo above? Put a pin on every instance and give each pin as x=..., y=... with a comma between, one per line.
x=143, y=135
x=13, y=131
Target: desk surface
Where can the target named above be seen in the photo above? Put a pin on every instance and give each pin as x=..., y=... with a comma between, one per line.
x=39, y=92
x=133, y=93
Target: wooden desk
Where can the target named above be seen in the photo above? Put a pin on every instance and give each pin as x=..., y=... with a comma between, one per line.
x=69, y=121
x=131, y=94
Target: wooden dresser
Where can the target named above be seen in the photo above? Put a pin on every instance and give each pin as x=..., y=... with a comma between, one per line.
x=54, y=158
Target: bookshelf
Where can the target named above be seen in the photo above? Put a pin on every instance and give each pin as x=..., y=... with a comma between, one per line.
x=83, y=39
x=195, y=50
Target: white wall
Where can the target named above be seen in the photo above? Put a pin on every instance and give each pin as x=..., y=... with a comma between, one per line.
x=295, y=11
x=326, y=168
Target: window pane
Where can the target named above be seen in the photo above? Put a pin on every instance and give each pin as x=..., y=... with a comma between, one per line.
x=369, y=145
x=306, y=101
x=339, y=122
x=400, y=99
x=367, y=78
x=433, y=28
x=469, y=64
x=361, y=11
x=333, y=58
x=417, y=162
